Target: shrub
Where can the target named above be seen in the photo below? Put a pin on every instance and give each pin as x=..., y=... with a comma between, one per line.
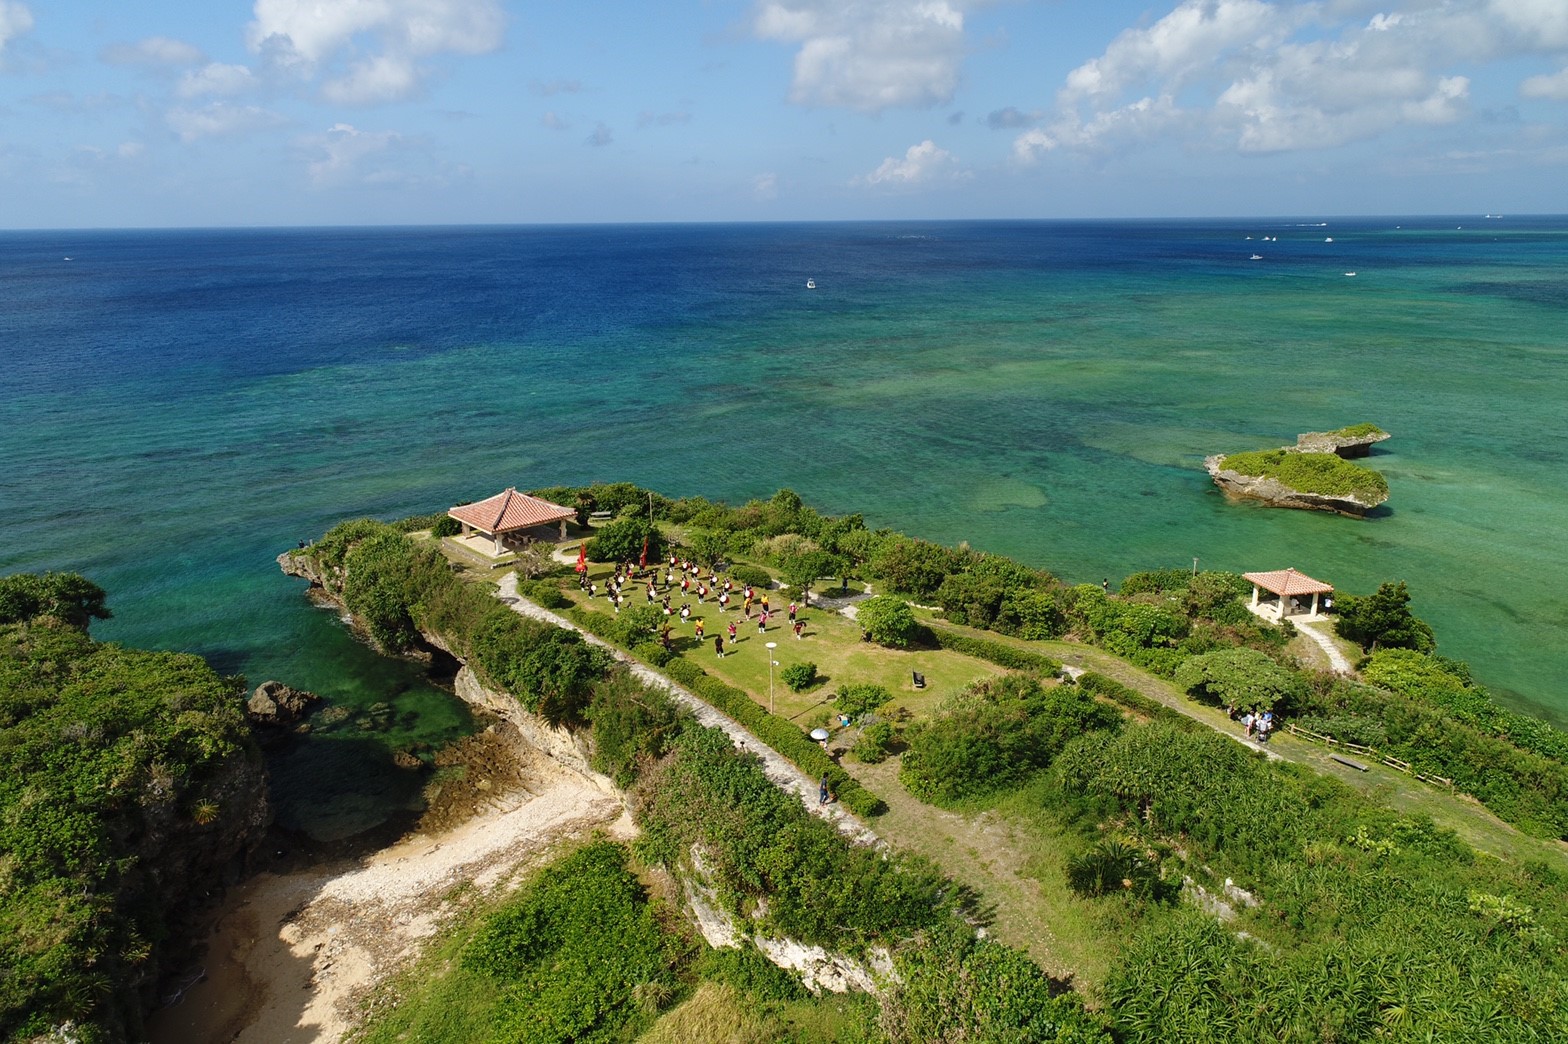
x=543, y=593
x=997, y=734
x=887, y=621
x=875, y=743
x=68, y=597
x=446, y=526
x=632, y=725
x=860, y=698
x=749, y=972
x=800, y=676
x=915, y=567
x=754, y=576
x=653, y=653
x=1113, y=865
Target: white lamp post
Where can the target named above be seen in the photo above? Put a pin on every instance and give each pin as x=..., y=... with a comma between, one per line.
x=772, y=663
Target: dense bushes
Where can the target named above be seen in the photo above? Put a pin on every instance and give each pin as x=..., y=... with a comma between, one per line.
x=995, y=735
x=759, y=842
x=888, y=621
x=67, y=597
x=580, y=955
x=1240, y=679
x=1383, y=619
x=622, y=541
x=861, y=698
x=112, y=757
x=959, y=988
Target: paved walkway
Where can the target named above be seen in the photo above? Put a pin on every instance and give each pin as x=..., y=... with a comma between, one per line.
x=1335, y=657
x=780, y=770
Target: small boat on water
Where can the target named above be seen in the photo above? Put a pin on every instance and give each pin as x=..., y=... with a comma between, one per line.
x=1256, y=257
x=811, y=284
x=1350, y=273
x=1330, y=239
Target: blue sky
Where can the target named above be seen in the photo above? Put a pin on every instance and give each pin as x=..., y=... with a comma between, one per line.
x=300, y=112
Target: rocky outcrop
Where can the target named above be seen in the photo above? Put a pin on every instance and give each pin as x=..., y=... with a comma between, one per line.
x=1276, y=494
x=1338, y=443
x=561, y=745
x=276, y=704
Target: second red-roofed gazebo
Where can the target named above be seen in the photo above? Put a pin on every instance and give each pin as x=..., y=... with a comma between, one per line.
x=1287, y=584
x=508, y=514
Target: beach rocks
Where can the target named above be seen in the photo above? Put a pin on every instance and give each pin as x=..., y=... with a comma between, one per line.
x=275, y=703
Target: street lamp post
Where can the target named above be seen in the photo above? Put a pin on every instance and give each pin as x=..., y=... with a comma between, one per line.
x=772, y=663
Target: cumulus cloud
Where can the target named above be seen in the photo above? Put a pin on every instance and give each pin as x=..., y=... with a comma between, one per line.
x=1004, y=119
x=554, y=120
x=215, y=78
x=547, y=89
x=15, y=20
x=219, y=119
x=387, y=39
x=155, y=51
x=600, y=137
x=868, y=55
x=1267, y=77
x=921, y=164
x=343, y=151
x=1554, y=87
x=765, y=187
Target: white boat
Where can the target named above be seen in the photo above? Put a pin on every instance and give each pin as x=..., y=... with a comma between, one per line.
x=1256, y=257
x=811, y=284
x=1329, y=239
x=1350, y=273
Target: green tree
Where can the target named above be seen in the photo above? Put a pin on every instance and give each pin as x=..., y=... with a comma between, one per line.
x=915, y=566
x=1241, y=678
x=1383, y=620
x=887, y=621
x=622, y=541
x=707, y=546
x=801, y=571
x=70, y=597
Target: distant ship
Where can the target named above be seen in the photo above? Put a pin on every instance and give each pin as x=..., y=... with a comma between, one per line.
x=1350, y=273
x=811, y=284
x=1330, y=239
x=1256, y=257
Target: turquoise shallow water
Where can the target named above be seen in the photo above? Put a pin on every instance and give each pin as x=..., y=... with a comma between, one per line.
x=178, y=407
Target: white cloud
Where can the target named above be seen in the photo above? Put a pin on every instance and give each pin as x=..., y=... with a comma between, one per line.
x=215, y=78
x=15, y=20
x=1554, y=87
x=386, y=39
x=554, y=87
x=600, y=137
x=648, y=118
x=1292, y=75
x=343, y=149
x=765, y=187
x=921, y=164
x=219, y=119
x=156, y=51
x=554, y=121
x=869, y=55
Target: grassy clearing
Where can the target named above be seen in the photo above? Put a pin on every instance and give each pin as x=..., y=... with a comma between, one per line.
x=718, y=1014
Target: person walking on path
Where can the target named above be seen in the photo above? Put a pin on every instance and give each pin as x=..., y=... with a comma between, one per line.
x=822, y=790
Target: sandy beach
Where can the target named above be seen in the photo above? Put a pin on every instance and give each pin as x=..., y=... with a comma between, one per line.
x=292, y=957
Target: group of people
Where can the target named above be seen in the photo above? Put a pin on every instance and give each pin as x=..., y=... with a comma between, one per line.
x=687, y=576
x=1258, y=725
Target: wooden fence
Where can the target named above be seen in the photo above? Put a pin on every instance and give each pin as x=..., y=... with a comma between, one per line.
x=1370, y=752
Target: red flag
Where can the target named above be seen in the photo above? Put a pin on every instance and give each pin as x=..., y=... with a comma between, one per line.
x=582, y=559
x=642, y=562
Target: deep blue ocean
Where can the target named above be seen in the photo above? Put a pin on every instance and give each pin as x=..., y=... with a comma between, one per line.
x=177, y=407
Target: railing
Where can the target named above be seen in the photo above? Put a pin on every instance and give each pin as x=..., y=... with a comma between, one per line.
x=1371, y=752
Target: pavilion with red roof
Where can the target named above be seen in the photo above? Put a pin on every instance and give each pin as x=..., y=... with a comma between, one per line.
x=506, y=517
x=1286, y=584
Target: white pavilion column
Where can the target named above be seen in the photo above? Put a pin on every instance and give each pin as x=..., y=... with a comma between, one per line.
x=1254, y=596
x=1314, y=603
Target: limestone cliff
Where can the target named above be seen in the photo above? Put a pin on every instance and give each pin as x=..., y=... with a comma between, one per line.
x=1275, y=493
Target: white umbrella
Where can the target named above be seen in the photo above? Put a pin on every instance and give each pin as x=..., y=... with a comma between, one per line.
x=820, y=734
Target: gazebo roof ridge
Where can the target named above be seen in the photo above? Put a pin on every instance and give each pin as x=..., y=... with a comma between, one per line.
x=510, y=510
x=1288, y=581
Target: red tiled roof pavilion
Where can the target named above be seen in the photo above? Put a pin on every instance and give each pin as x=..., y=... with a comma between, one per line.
x=1287, y=583
x=509, y=512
